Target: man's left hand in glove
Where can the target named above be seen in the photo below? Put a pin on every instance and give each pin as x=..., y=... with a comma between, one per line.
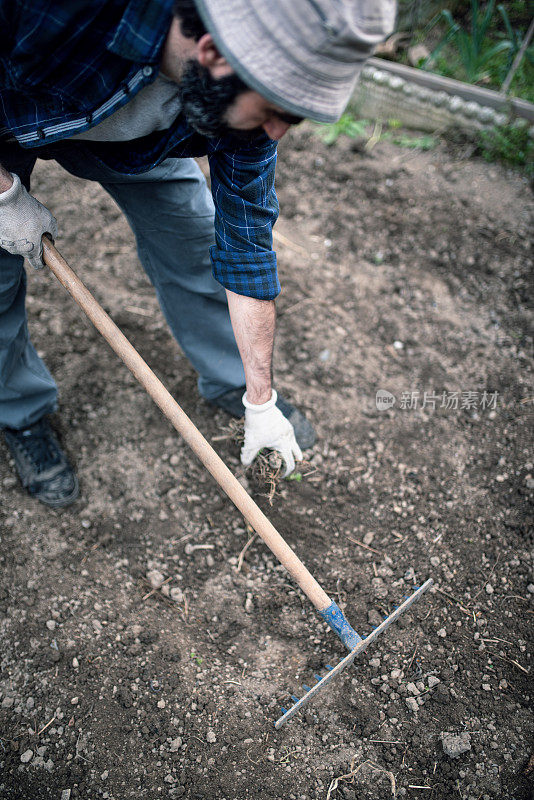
x=266, y=426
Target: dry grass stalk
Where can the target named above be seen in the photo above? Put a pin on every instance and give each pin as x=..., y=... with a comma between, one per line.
x=361, y=544
x=243, y=552
x=297, y=248
x=154, y=591
x=46, y=726
x=350, y=776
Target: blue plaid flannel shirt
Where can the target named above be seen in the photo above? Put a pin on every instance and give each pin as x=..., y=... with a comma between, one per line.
x=66, y=66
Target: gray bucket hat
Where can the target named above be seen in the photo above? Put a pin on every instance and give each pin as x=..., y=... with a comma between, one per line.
x=302, y=55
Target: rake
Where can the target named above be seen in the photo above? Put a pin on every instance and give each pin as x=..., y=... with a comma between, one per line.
x=326, y=607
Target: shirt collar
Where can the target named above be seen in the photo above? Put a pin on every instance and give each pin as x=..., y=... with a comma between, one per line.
x=142, y=30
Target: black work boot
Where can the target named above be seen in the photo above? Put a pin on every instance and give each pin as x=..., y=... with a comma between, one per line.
x=304, y=432
x=41, y=464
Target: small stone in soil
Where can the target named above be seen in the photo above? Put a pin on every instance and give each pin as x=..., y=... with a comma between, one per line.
x=155, y=578
x=177, y=595
x=374, y=618
x=412, y=704
x=454, y=744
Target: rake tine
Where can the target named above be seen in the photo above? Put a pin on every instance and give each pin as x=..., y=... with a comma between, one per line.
x=318, y=677
x=295, y=698
x=328, y=667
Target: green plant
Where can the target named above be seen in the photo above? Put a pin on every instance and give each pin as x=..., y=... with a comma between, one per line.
x=347, y=125
x=196, y=658
x=515, y=38
x=295, y=476
x=475, y=48
x=425, y=142
x=510, y=144
x=403, y=139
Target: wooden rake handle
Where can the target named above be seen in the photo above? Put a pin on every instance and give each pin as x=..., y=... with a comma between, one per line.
x=157, y=391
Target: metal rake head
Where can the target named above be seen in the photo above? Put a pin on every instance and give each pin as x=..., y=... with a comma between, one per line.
x=322, y=681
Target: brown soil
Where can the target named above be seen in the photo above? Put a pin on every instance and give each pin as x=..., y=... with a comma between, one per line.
x=403, y=271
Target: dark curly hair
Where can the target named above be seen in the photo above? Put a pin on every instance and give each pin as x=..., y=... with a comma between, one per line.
x=190, y=21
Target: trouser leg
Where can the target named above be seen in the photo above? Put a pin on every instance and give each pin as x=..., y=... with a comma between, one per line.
x=170, y=210
x=27, y=390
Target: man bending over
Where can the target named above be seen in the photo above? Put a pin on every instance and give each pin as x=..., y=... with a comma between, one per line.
x=127, y=93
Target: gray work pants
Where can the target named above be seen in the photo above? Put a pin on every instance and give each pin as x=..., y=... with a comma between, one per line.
x=170, y=211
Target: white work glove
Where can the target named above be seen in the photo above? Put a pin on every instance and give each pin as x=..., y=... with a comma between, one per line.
x=23, y=220
x=266, y=426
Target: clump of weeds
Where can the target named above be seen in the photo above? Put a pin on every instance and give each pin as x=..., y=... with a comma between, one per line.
x=267, y=469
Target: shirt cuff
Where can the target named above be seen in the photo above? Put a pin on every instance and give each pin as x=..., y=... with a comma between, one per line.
x=250, y=274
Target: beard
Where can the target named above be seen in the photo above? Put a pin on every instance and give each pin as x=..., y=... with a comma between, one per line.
x=206, y=100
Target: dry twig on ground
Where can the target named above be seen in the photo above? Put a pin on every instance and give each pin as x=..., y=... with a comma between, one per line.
x=350, y=776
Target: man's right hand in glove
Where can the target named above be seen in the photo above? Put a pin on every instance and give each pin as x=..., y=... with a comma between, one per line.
x=23, y=221
x=266, y=426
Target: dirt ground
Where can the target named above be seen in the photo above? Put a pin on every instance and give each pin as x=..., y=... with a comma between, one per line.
x=402, y=271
